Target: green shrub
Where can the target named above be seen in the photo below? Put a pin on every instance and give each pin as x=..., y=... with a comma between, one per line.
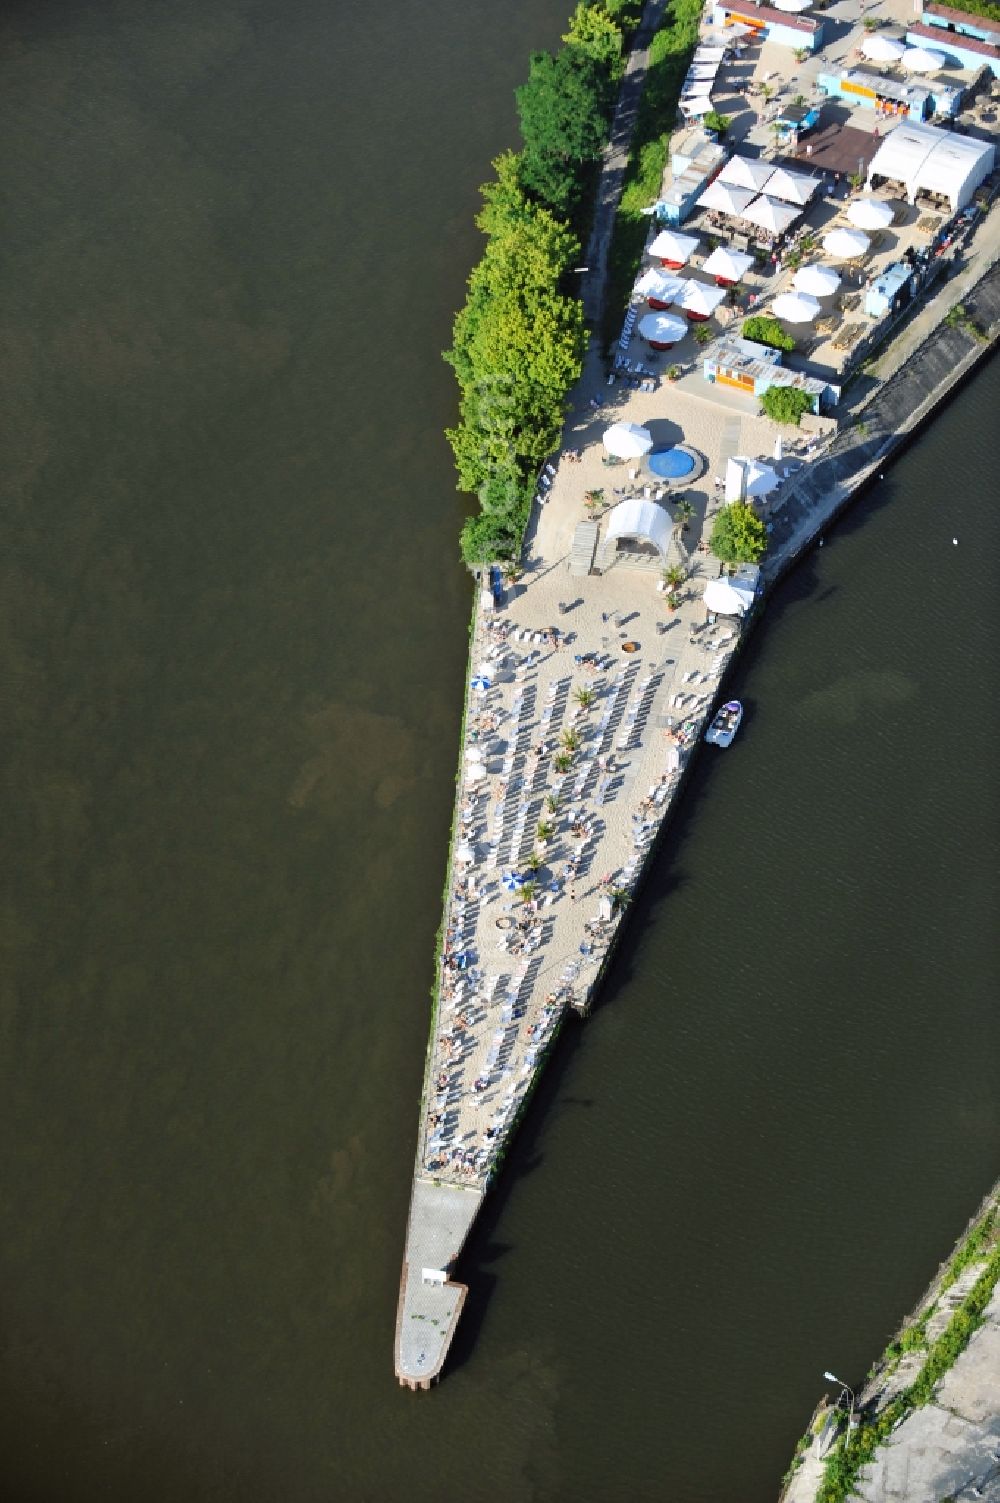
x=786, y=404
x=763, y=328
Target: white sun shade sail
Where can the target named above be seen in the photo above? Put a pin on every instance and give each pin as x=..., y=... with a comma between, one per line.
x=795, y=308
x=726, y=198
x=662, y=328
x=922, y=60
x=701, y=297
x=820, y=281
x=845, y=245
x=792, y=5
x=771, y=214
x=745, y=172
x=628, y=440
x=870, y=214
x=882, y=49
x=671, y=246
x=698, y=105
x=729, y=264
x=792, y=187
x=659, y=284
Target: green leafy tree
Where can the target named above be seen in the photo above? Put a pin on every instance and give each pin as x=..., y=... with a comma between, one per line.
x=717, y=122
x=593, y=30
x=564, y=111
x=762, y=328
x=738, y=535
x=785, y=404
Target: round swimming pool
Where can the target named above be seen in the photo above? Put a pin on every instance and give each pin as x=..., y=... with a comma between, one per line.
x=671, y=464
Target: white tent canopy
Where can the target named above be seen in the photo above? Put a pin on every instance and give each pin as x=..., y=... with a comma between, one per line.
x=845, y=245
x=671, y=246
x=820, y=281
x=793, y=187
x=659, y=284
x=726, y=198
x=698, y=104
x=727, y=597
x=746, y=172
x=922, y=60
x=795, y=308
x=701, y=297
x=880, y=49
x=792, y=5
x=627, y=440
x=640, y=521
x=771, y=214
x=922, y=157
x=662, y=328
x=728, y=264
x=870, y=214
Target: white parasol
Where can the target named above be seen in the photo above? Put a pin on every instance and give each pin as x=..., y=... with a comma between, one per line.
x=670, y=246
x=845, y=245
x=820, y=281
x=870, y=214
x=726, y=198
x=795, y=308
x=882, y=49
x=701, y=298
x=746, y=172
x=659, y=284
x=728, y=264
x=662, y=328
x=922, y=60
x=628, y=440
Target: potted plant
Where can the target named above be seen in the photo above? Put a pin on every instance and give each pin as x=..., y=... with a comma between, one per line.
x=545, y=831
x=584, y=698
x=673, y=373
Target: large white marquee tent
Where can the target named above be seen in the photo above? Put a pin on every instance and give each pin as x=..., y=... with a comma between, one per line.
x=923, y=158
x=637, y=521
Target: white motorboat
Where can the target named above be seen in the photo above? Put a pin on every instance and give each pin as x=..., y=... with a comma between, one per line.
x=725, y=724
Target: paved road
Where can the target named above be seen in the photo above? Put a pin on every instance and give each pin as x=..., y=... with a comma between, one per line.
x=609, y=190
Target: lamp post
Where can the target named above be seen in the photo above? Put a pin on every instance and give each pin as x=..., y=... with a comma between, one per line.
x=844, y=1388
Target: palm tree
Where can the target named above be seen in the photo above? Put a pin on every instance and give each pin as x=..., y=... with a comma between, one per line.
x=552, y=803
x=528, y=890
x=563, y=762
x=545, y=830
x=570, y=740
x=584, y=698
x=683, y=512
x=620, y=896
x=533, y=862
x=674, y=577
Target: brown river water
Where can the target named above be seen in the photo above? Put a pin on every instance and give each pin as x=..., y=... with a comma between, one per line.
x=232, y=664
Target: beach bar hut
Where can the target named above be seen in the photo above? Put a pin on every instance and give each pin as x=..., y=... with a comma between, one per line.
x=672, y=248
x=662, y=330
